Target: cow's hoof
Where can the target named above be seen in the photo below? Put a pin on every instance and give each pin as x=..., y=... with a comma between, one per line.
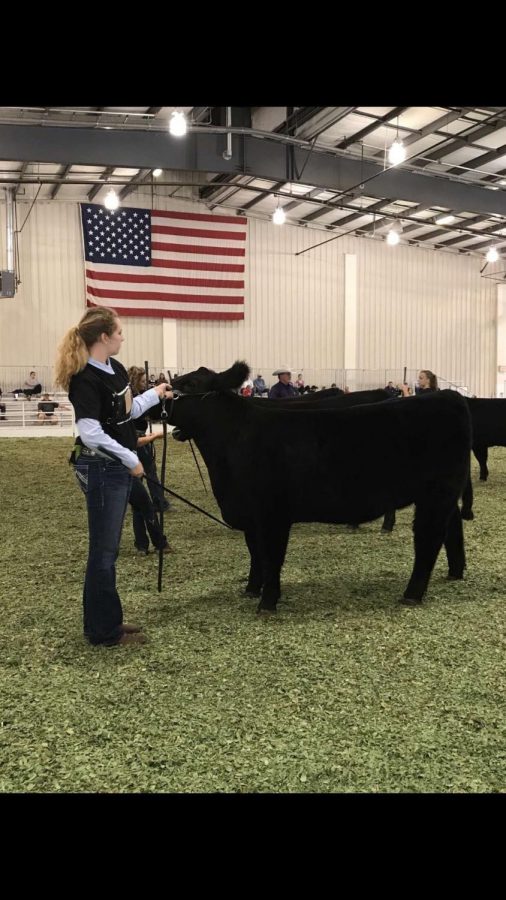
x=266, y=611
x=409, y=601
x=452, y=577
x=386, y=531
x=252, y=592
x=467, y=515
x=483, y=477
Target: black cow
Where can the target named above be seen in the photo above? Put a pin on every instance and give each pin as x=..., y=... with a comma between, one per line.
x=364, y=460
x=322, y=395
x=489, y=428
x=332, y=398
x=488, y=421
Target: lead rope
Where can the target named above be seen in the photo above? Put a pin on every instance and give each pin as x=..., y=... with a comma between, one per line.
x=163, y=418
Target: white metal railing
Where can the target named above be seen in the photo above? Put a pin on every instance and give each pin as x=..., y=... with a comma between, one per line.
x=14, y=377
x=26, y=414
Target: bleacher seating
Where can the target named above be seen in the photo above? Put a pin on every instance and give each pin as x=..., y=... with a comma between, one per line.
x=22, y=414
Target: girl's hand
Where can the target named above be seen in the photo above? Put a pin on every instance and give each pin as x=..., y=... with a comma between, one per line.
x=138, y=471
x=164, y=391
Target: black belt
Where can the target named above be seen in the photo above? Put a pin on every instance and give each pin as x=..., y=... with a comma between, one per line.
x=85, y=451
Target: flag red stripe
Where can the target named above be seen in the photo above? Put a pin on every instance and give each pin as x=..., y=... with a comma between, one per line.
x=164, y=295
x=165, y=279
x=201, y=266
x=175, y=313
x=195, y=248
x=196, y=271
x=199, y=232
x=198, y=217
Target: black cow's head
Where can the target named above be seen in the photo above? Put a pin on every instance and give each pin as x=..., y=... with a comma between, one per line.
x=204, y=380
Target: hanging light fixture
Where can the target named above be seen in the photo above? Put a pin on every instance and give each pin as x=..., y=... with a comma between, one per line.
x=178, y=124
x=492, y=255
x=394, y=233
x=397, y=151
x=279, y=215
x=111, y=200
x=157, y=173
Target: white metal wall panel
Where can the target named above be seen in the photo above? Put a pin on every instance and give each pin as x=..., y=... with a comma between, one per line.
x=426, y=309
x=416, y=307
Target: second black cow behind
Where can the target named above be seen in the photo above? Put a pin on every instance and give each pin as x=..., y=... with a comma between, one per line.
x=271, y=467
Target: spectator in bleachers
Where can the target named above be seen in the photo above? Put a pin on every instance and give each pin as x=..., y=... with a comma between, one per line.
x=299, y=383
x=393, y=390
x=259, y=387
x=161, y=378
x=2, y=407
x=31, y=386
x=46, y=408
x=246, y=388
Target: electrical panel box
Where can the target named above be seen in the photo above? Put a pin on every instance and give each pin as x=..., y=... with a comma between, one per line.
x=7, y=284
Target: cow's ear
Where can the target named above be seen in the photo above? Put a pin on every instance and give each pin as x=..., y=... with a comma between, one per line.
x=235, y=376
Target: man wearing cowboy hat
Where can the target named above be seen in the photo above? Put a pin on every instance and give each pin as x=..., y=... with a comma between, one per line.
x=283, y=389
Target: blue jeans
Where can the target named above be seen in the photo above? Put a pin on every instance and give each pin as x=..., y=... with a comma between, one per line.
x=106, y=486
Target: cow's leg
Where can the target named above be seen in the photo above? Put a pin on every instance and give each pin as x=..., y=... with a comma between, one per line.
x=255, y=578
x=429, y=528
x=454, y=546
x=388, y=520
x=274, y=543
x=467, y=501
x=481, y=454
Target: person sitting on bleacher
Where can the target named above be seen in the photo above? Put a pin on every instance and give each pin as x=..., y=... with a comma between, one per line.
x=46, y=409
x=31, y=386
x=2, y=407
x=259, y=387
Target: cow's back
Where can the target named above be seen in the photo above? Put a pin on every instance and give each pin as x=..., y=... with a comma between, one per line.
x=488, y=417
x=341, y=465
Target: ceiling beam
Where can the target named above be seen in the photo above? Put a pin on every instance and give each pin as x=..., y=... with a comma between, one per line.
x=62, y=175
x=382, y=120
x=252, y=155
x=98, y=187
x=143, y=176
x=20, y=173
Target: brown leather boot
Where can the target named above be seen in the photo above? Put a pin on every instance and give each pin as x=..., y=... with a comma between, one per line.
x=130, y=629
x=127, y=639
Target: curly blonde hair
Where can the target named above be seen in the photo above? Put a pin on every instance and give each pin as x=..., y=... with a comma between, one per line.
x=135, y=376
x=73, y=352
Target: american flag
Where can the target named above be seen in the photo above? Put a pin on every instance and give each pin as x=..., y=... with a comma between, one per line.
x=153, y=262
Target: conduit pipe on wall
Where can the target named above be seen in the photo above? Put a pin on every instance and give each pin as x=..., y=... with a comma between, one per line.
x=9, y=225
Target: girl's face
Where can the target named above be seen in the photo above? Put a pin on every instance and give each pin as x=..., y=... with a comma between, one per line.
x=115, y=340
x=423, y=380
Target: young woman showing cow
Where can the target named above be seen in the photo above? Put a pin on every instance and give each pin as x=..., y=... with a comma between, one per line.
x=104, y=459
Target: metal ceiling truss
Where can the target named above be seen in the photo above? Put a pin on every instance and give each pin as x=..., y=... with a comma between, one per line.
x=293, y=152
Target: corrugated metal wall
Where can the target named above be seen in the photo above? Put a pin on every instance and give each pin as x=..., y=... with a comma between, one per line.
x=416, y=307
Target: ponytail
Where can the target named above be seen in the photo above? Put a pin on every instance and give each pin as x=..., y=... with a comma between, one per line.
x=73, y=352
